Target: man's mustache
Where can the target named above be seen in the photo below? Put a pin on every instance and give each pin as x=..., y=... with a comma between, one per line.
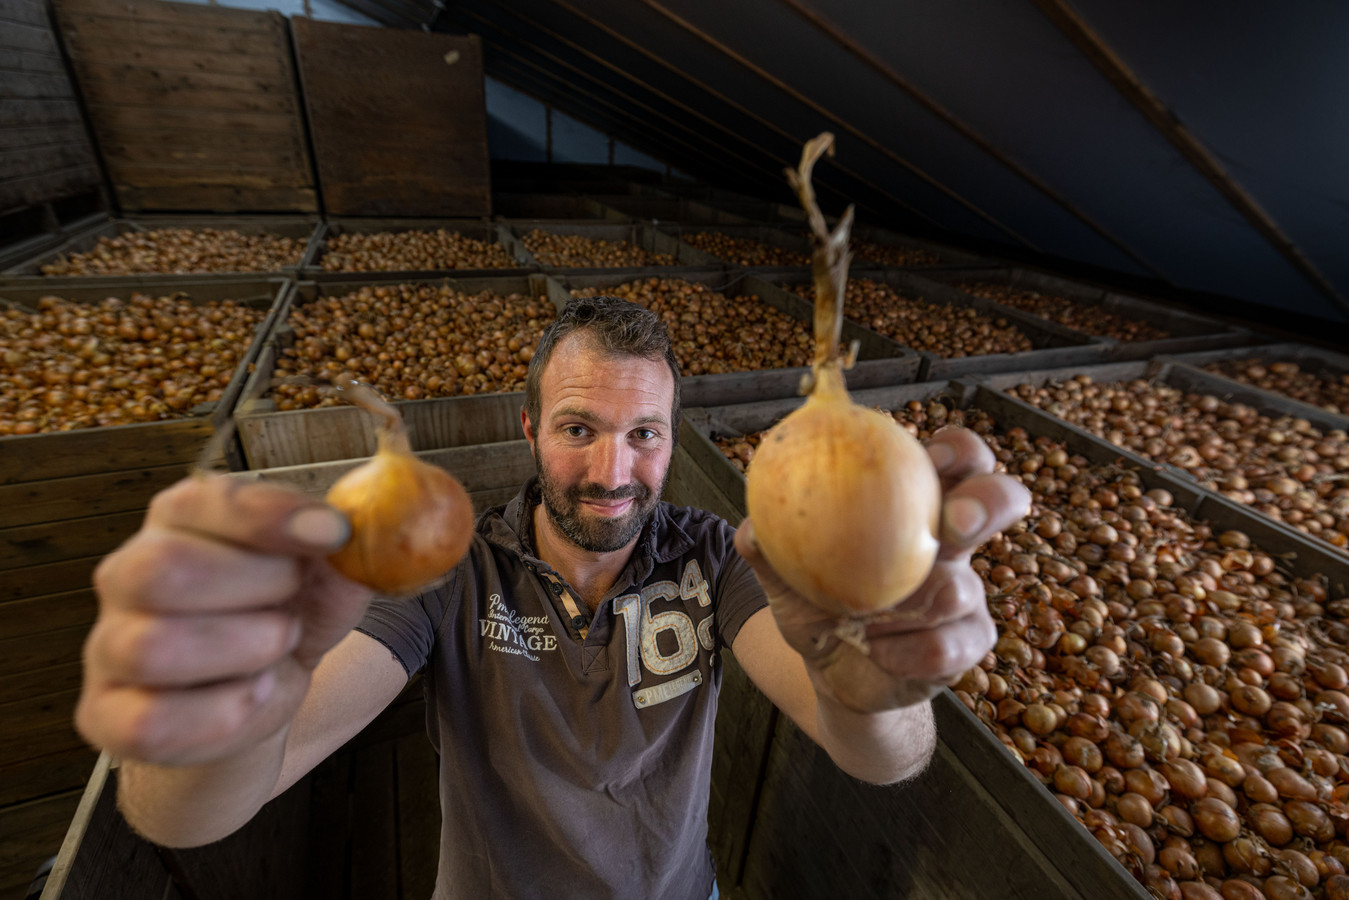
x=597, y=492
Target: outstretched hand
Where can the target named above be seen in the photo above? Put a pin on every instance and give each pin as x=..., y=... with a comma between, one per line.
x=943, y=628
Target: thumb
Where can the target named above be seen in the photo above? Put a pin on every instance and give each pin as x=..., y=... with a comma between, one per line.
x=748, y=547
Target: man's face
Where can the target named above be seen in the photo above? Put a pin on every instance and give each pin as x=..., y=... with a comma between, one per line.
x=602, y=444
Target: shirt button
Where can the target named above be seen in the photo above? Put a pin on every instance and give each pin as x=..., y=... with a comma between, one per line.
x=578, y=622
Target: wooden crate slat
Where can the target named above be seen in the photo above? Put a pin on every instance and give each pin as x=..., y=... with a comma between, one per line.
x=24, y=12
x=54, y=679
x=207, y=122
x=187, y=14
x=38, y=651
x=201, y=102
x=35, y=85
x=37, y=189
x=42, y=136
x=223, y=199
x=23, y=162
x=19, y=618
x=418, y=774
x=30, y=779
x=93, y=450
x=58, y=499
x=29, y=61
x=210, y=151
x=241, y=35
x=19, y=36
x=29, y=545
x=434, y=161
x=46, y=580
x=374, y=850
x=30, y=833
x=38, y=726
x=102, y=857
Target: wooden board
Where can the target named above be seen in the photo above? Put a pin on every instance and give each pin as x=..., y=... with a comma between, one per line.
x=30, y=833
x=46, y=154
x=398, y=120
x=44, y=579
x=191, y=73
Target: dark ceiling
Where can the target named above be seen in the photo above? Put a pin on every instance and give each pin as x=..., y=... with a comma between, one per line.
x=1200, y=146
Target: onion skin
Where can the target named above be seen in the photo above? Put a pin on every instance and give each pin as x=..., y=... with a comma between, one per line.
x=411, y=522
x=845, y=503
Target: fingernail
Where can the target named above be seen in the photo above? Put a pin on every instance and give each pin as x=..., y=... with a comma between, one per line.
x=296, y=632
x=942, y=455
x=321, y=527
x=263, y=686
x=965, y=516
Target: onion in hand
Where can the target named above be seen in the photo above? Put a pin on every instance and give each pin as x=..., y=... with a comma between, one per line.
x=845, y=502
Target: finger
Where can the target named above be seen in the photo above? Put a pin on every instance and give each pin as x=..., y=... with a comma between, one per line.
x=172, y=727
x=977, y=508
x=953, y=591
x=936, y=654
x=748, y=548
x=958, y=453
x=257, y=515
x=129, y=648
x=175, y=572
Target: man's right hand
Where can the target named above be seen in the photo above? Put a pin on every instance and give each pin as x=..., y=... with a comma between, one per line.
x=211, y=620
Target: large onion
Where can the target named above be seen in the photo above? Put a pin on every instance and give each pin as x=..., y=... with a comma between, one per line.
x=845, y=502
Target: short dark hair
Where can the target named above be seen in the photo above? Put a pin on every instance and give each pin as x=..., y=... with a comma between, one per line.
x=618, y=328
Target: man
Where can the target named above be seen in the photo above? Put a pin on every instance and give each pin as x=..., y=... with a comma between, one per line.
x=570, y=661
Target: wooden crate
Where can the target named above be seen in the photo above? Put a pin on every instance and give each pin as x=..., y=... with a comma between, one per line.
x=195, y=107
x=1053, y=344
x=976, y=823
x=1318, y=360
x=795, y=240
x=477, y=229
x=398, y=119
x=270, y=439
x=66, y=499
x=1189, y=331
x=29, y=272
x=880, y=361
x=644, y=236
x=945, y=254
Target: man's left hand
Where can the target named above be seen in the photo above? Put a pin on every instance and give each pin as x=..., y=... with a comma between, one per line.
x=908, y=658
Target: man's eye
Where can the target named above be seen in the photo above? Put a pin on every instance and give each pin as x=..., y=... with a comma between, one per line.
x=645, y=434
x=574, y=430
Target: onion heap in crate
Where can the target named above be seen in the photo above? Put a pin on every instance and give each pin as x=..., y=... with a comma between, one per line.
x=182, y=251
x=1085, y=317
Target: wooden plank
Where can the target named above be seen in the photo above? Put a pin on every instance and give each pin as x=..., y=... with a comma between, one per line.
x=94, y=450
x=219, y=199
x=140, y=82
x=374, y=849
x=39, y=651
x=396, y=83
x=175, y=58
x=29, y=834
x=23, y=12
x=38, y=38
x=418, y=773
x=107, y=845
x=203, y=149
x=31, y=779
x=58, y=499
x=249, y=38
x=25, y=113
x=43, y=581
x=37, y=189
x=38, y=726
x=23, y=163
x=20, y=618
x=36, y=86
x=186, y=14
x=62, y=677
x=330, y=830
x=43, y=136
x=30, y=545
x=192, y=178
x=135, y=117
x=103, y=95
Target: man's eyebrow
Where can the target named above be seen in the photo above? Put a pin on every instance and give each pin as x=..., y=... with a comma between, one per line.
x=589, y=417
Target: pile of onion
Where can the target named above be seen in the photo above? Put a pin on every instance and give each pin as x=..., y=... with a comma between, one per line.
x=845, y=503
x=410, y=521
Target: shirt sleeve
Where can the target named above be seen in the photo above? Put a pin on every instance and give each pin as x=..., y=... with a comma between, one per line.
x=739, y=594
x=408, y=625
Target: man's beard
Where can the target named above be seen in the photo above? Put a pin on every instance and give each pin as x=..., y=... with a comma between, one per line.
x=594, y=533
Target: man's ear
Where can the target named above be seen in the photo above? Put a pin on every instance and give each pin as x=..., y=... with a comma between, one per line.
x=528, y=428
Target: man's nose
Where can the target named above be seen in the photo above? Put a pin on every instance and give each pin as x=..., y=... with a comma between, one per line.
x=611, y=463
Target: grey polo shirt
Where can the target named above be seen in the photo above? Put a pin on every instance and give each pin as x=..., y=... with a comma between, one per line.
x=575, y=755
